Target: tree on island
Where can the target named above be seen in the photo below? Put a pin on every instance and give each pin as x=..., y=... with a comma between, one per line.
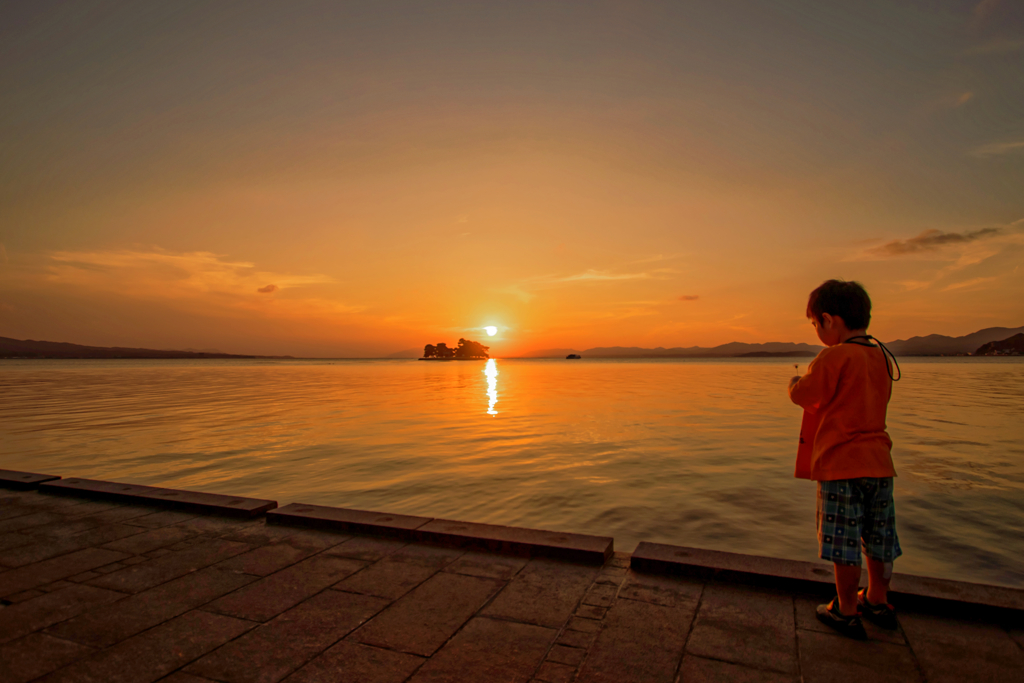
x=466, y=349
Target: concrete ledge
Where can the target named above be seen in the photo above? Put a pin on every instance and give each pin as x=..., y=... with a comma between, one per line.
x=494, y=538
x=344, y=519
x=232, y=506
x=794, y=575
x=13, y=479
x=519, y=541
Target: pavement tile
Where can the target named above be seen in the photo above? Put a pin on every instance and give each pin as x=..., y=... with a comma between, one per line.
x=585, y=625
x=828, y=657
x=660, y=590
x=267, y=559
x=601, y=595
x=110, y=568
x=348, y=661
x=266, y=598
x=35, y=655
x=425, y=618
x=488, y=650
x=182, y=677
x=553, y=672
x=54, y=569
x=807, y=619
x=216, y=525
x=84, y=577
x=13, y=540
x=45, y=548
x=121, y=513
x=958, y=650
x=631, y=628
x=487, y=565
x=51, y=608
x=1018, y=635
x=147, y=541
x=25, y=595
x=140, y=577
x=104, y=626
x=746, y=626
x=155, y=653
x=388, y=578
x=700, y=670
x=591, y=612
x=563, y=654
x=545, y=593
x=159, y=552
x=428, y=555
x=34, y=519
x=56, y=586
x=272, y=651
x=162, y=518
x=580, y=639
x=262, y=534
x=367, y=548
x=133, y=560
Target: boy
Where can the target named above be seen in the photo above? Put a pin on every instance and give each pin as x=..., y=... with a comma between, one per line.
x=846, y=449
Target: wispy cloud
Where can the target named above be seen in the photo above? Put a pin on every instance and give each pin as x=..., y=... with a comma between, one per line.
x=525, y=289
x=973, y=283
x=688, y=297
x=930, y=240
x=998, y=149
x=269, y=289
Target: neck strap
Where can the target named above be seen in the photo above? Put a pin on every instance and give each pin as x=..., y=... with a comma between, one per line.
x=886, y=353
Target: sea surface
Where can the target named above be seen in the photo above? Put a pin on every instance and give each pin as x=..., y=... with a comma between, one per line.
x=689, y=452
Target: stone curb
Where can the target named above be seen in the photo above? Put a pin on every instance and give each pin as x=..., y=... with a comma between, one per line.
x=797, y=576
x=490, y=537
x=23, y=480
x=232, y=506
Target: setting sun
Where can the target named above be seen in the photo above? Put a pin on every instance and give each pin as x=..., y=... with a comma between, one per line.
x=491, y=330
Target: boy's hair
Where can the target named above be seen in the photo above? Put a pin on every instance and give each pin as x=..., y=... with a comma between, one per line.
x=848, y=300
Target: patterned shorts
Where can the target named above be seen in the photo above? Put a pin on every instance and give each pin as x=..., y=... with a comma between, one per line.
x=856, y=515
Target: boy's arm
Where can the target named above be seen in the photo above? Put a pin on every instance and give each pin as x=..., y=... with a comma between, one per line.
x=817, y=386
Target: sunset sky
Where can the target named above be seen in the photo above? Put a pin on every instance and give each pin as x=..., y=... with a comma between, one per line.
x=355, y=179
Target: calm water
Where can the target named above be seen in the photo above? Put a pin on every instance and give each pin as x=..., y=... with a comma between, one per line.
x=688, y=452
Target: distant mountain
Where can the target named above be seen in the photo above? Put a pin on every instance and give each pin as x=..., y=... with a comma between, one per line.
x=1014, y=346
x=939, y=345
x=30, y=348
x=730, y=350
x=932, y=345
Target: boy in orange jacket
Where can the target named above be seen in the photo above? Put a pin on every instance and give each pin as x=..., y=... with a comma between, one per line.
x=846, y=449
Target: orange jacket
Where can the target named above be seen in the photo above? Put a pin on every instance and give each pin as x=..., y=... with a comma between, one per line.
x=844, y=396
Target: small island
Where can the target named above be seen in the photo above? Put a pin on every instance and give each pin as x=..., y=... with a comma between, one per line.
x=466, y=350
x=573, y=356
x=1012, y=346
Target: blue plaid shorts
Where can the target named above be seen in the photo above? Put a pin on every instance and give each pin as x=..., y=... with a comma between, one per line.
x=854, y=516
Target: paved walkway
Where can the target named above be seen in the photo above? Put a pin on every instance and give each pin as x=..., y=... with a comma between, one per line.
x=107, y=592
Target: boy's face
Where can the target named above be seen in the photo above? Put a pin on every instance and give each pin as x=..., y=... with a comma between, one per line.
x=828, y=328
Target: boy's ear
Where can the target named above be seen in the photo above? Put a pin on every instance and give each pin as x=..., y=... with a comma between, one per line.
x=826, y=321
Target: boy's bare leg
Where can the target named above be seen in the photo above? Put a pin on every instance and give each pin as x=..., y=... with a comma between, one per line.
x=847, y=581
x=878, y=583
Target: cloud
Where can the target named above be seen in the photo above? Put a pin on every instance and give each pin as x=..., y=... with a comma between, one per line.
x=998, y=149
x=269, y=289
x=931, y=240
x=689, y=297
x=974, y=283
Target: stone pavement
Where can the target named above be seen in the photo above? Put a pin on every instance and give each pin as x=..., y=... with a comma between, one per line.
x=107, y=592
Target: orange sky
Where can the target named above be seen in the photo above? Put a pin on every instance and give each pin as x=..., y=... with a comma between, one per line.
x=577, y=175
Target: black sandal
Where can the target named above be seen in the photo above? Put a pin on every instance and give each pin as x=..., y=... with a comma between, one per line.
x=882, y=615
x=849, y=626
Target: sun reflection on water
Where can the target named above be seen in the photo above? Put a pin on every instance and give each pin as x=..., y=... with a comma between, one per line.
x=491, y=370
